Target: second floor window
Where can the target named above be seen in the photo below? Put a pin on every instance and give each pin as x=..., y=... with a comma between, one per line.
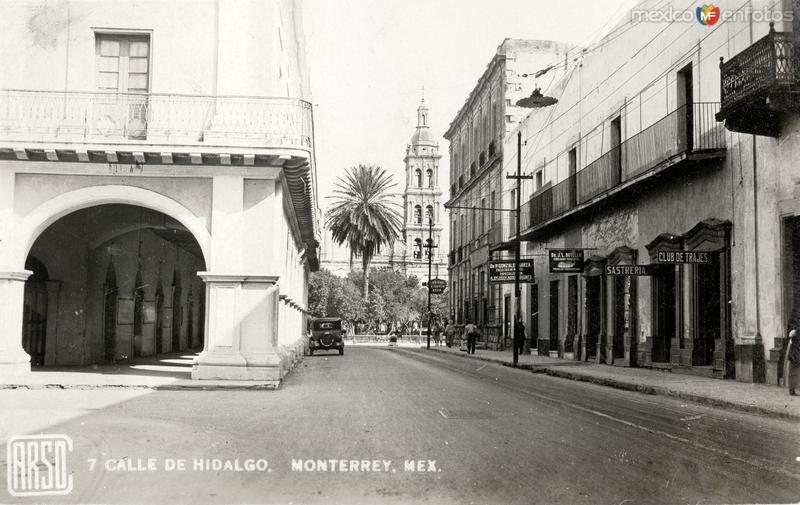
x=418, y=214
x=123, y=66
x=123, y=63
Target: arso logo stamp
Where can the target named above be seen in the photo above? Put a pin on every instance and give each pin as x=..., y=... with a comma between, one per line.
x=37, y=465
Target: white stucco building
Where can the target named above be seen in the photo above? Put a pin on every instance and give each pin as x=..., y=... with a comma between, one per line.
x=157, y=184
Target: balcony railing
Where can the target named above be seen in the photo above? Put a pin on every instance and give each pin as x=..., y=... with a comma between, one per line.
x=760, y=83
x=154, y=118
x=685, y=130
x=765, y=64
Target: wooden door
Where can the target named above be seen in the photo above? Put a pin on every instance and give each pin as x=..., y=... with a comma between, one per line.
x=34, y=327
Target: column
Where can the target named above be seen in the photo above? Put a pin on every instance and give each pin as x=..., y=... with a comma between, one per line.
x=241, y=340
x=241, y=329
x=13, y=358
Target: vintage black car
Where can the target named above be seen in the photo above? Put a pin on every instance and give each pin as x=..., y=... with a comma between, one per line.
x=326, y=334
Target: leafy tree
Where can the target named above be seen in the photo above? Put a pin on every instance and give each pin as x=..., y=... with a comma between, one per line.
x=363, y=216
x=322, y=288
x=332, y=296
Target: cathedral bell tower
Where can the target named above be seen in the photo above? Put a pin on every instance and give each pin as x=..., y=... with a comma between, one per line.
x=422, y=199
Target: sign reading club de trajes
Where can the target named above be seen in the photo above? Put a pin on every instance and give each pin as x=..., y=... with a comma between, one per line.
x=701, y=257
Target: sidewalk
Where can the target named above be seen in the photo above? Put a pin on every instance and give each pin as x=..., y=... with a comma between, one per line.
x=169, y=372
x=754, y=398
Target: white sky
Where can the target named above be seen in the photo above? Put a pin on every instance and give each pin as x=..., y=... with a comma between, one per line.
x=370, y=58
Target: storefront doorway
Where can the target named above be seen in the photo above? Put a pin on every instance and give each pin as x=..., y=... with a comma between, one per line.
x=708, y=325
x=593, y=315
x=665, y=311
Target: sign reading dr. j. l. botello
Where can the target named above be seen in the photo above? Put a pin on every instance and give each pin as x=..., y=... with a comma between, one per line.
x=566, y=261
x=502, y=271
x=685, y=257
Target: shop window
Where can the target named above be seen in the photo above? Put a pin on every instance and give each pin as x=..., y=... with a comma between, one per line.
x=572, y=312
x=533, y=324
x=159, y=340
x=594, y=309
x=554, y=313
x=620, y=286
x=176, y=311
x=110, y=294
x=138, y=312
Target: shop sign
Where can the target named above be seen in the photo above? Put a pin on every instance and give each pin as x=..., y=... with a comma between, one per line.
x=566, y=261
x=682, y=257
x=639, y=270
x=502, y=271
x=437, y=286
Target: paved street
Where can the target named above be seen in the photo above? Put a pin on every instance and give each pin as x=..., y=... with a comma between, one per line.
x=484, y=434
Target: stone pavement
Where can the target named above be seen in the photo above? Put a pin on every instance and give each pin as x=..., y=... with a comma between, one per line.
x=756, y=398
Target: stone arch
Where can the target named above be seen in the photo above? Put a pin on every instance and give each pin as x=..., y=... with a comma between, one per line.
x=40, y=218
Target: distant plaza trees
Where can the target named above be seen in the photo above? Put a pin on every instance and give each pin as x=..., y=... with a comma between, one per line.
x=394, y=302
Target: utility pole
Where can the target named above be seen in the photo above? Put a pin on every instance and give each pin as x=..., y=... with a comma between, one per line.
x=430, y=247
x=517, y=243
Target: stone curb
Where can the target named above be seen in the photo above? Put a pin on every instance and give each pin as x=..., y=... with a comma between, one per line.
x=553, y=371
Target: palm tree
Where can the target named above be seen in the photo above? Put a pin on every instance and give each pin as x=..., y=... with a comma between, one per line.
x=362, y=214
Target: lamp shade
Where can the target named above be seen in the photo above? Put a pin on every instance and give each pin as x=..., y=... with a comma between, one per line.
x=536, y=100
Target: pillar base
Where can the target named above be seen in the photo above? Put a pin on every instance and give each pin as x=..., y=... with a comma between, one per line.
x=216, y=365
x=14, y=361
x=14, y=364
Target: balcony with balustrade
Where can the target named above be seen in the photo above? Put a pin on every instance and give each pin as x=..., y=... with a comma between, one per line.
x=680, y=141
x=76, y=126
x=760, y=85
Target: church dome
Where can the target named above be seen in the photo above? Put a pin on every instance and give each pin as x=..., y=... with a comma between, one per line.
x=423, y=135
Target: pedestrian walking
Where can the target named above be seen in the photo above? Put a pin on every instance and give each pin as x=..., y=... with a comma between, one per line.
x=793, y=358
x=449, y=333
x=472, y=336
x=437, y=334
x=519, y=336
